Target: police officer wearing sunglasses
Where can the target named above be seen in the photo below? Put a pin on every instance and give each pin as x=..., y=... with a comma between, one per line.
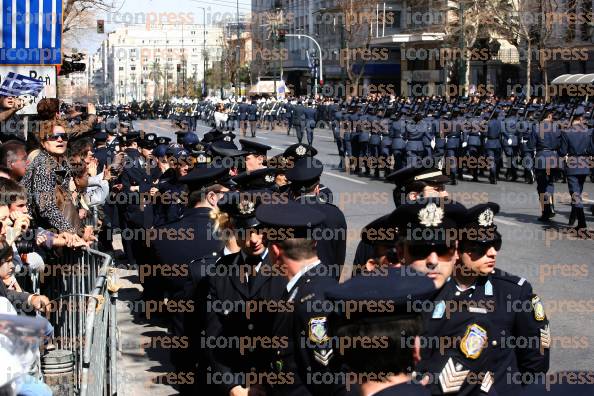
x=456, y=357
x=522, y=336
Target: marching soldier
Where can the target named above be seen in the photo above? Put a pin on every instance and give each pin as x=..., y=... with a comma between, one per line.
x=310, y=121
x=493, y=145
x=577, y=145
x=244, y=110
x=510, y=144
x=547, y=137
x=253, y=117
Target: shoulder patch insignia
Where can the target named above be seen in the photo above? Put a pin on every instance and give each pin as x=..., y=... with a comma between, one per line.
x=537, y=306
x=487, y=382
x=545, y=337
x=521, y=281
x=318, y=330
x=474, y=341
x=452, y=377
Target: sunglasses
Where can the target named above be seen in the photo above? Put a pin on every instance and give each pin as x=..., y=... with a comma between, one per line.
x=58, y=136
x=479, y=249
x=422, y=251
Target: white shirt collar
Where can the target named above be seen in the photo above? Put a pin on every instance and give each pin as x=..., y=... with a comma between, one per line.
x=299, y=274
x=469, y=288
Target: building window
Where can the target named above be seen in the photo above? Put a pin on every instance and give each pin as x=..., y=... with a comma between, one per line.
x=132, y=68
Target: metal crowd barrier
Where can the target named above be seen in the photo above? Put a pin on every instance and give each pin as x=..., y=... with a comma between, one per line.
x=81, y=286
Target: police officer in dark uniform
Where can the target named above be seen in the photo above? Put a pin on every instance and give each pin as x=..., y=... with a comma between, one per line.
x=186, y=247
x=100, y=151
x=456, y=357
x=247, y=283
x=516, y=312
x=305, y=188
x=298, y=151
x=412, y=183
x=577, y=145
x=170, y=204
x=390, y=364
x=547, y=137
x=256, y=154
x=137, y=210
x=292, y=244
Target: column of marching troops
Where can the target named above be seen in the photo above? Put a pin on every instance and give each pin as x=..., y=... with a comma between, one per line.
x=480, y=136
x=242, y=253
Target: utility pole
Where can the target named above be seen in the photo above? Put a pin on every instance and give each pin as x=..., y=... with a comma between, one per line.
x=462, y=78
x=237, y=89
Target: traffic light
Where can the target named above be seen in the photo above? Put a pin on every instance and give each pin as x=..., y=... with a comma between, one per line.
x=100, y=26
x=281, y=35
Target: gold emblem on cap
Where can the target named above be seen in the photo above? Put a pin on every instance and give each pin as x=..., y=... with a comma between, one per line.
x=431, y=215
x=269, y=178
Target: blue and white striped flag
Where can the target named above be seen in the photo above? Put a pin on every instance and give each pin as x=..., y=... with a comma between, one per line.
x=19, y=85
x=31, y=32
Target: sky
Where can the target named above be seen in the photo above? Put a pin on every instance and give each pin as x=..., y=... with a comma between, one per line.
x=165, y=11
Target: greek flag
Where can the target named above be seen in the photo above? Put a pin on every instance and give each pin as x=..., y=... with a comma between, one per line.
x=31, y=32
x=19, y=85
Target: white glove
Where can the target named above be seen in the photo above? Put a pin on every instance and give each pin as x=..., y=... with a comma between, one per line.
x=509, y=141
x=433, y=143
x=464, y=144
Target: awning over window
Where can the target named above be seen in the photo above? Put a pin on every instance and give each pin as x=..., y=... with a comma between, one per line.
x=574, y=79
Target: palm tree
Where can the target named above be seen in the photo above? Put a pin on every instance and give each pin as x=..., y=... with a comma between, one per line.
x=156, y=74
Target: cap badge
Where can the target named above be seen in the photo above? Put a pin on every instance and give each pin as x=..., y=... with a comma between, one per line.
x=246, y=207
x=201, y=159
x=300, y=150
x=431, y=215
x=269, y=179
x=227, y=138
x=486, y=218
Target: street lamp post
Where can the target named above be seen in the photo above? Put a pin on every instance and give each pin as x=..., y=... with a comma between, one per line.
x=321, y=59
x=203, y=51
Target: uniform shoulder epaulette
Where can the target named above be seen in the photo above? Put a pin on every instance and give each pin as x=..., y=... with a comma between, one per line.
x=306, y=298
x=506, y=276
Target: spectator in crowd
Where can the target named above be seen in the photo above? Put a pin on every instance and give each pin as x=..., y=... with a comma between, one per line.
x=9, y=121
x=13, y=156
x=48, y=109
x=48, y=172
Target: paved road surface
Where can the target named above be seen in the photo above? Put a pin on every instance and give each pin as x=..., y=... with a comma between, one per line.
x=559, y=269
